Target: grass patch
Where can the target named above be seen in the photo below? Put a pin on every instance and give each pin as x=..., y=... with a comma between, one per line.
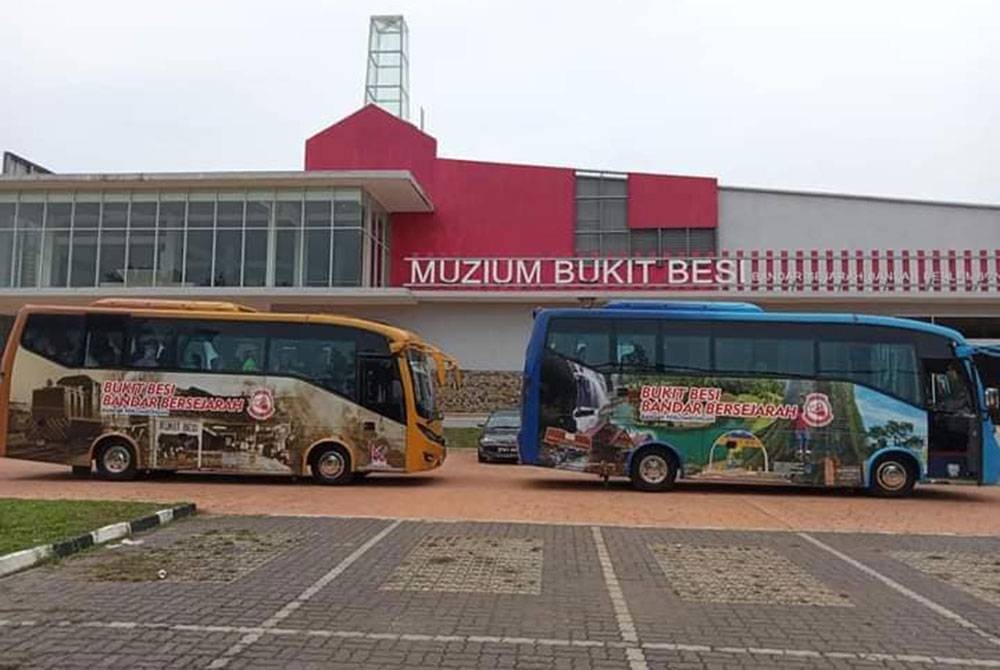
x=462, y=438
x=27, y=523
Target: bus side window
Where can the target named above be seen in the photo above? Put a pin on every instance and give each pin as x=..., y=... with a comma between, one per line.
x=587, y=341
x=152, y=344
x=57, y=337
x=636, y=344
x=105, y=340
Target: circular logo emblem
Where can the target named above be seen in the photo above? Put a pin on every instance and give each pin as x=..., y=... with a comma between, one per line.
x=817, y=411
x=261, y=404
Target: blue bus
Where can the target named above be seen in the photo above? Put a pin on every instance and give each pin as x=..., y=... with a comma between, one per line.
x=727, y=392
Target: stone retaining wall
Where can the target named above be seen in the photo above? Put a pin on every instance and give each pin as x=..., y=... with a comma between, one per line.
x=482, y=392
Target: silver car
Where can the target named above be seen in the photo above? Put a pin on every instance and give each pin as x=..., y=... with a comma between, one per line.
x=498, y=439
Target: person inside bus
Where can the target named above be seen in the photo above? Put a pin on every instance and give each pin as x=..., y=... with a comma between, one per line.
x=249, y=358
x=636, y=357
x=286, y=361
x=147, y=359
x=103, y=352
x=951, y=393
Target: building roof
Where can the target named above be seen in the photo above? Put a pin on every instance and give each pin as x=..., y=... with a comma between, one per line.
x=395, y=190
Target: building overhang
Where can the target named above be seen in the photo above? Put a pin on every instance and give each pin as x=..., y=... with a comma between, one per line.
x=395, y=190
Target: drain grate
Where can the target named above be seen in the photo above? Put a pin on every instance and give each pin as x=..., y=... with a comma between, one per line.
x=737, y=574
x=977, y=574
x=471, y=564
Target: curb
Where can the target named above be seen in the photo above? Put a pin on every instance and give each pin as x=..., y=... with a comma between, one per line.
x=27, y=558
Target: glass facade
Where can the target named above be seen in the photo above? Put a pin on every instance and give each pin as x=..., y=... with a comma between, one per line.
x=602, y=224
x=192, y=238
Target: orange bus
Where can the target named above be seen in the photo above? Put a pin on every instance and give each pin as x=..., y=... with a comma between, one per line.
x=136, y=385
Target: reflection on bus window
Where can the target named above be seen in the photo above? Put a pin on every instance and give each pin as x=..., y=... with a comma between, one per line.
x=57, y=337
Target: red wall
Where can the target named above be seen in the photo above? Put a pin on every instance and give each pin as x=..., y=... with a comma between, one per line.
x=666, y=201
x=491, y=209
x=373, y=139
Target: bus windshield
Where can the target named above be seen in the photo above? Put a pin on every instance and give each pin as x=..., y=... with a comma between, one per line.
x=423, y=385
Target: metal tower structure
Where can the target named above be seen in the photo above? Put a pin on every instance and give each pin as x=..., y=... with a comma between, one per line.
x=387, y=83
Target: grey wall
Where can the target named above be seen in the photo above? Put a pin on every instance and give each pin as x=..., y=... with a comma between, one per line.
x=481, y=336
x=752, y=219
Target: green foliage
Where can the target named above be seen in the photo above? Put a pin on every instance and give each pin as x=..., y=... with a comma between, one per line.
x=894, y=433
x=28, y=523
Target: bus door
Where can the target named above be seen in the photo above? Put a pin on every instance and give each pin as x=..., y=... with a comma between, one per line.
x=954, y=427
x=381, y=391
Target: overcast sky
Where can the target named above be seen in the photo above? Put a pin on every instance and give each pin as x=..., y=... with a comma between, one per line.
x=869, y=96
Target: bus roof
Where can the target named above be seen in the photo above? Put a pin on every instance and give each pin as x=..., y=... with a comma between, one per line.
x=223, y=310
x=730, y=311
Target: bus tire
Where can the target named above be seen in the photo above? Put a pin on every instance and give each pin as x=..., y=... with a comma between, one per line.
x=653, y=469
x=116, y=460
x=331, y=465
x=893, y=476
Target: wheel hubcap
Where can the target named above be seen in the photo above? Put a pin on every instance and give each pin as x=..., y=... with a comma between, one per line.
x=653, y=469
x=331, y=465
x=892, y=476
x=117, y=459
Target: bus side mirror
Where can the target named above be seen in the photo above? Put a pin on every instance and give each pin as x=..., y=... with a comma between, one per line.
x=993, y=400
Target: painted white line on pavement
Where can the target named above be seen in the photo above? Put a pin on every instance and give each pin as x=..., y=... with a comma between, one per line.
x=626, y=625
x=909, y=593
x=627, y=526
x=252, y=636
x=524, y=641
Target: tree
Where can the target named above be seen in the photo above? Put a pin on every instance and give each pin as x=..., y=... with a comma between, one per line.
x=894, y=433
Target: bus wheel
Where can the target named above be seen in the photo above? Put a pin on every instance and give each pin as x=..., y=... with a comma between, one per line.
x=893, y=476
x=331, y=465
x=116, y=460
x=653, y=469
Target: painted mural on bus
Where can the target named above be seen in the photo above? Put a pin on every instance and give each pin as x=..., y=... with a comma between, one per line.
x=728, y=429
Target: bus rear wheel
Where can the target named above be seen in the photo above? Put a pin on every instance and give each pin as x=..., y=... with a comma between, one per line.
x=116, y=460
x=331, y=465
x=653, y=469
x=893, y=476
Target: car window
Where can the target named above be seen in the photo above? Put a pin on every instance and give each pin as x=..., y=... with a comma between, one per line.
x=504, y=421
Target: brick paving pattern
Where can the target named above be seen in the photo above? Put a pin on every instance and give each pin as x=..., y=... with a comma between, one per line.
x=978, y=574
x=471, y=565
x=734, y=574
x=366, y=593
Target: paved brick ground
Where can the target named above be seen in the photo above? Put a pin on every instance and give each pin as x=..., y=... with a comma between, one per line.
x=466, y=490
x=276, y=592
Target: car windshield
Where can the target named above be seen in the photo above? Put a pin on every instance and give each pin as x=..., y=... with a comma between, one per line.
x=423, y=385
x=505, y=420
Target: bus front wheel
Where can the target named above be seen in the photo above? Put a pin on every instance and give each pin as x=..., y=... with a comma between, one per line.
x=331, y=465
x=116, y=460
x=653, y=469
x=893, y=476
